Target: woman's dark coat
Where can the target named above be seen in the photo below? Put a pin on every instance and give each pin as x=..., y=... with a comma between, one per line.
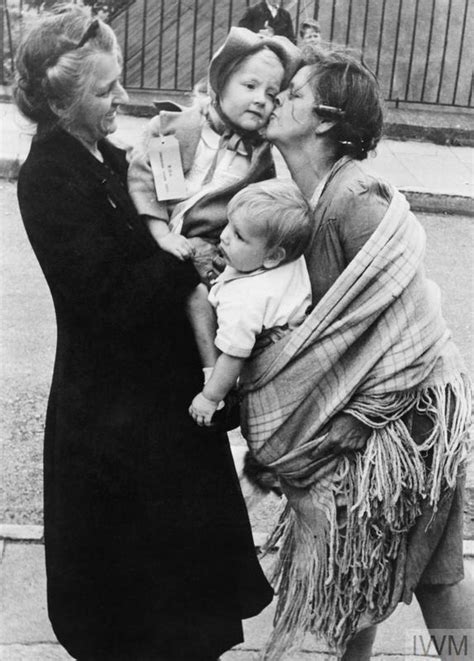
x=148, y=546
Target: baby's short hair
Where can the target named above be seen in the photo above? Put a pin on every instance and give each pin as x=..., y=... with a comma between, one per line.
x=281, y=211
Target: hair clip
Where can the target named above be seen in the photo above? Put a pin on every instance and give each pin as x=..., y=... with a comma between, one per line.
x=23, y=83
x=329, y=110
x=90, y=33
x=68, y=46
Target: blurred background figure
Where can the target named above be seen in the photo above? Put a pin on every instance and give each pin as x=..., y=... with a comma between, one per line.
x=269, y=18
x=102, y=11
x=310, y=33
x=201, y=93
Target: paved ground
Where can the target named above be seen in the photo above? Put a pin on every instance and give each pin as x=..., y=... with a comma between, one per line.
x=26, y=635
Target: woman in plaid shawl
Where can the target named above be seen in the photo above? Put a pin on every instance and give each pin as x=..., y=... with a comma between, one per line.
x=362, y=411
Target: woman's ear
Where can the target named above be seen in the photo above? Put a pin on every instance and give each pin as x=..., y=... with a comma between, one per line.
x=325, y=125
x=274, y=258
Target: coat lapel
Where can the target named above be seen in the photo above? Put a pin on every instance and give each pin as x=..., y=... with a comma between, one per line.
x=186, y=126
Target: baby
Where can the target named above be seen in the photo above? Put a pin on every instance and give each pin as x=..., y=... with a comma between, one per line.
x=220, y=146
x=264, y=286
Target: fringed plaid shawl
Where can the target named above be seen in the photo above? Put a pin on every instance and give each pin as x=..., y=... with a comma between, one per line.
x=375, y=346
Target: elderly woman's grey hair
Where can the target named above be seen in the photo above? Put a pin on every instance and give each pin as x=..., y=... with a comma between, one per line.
x=55, y=62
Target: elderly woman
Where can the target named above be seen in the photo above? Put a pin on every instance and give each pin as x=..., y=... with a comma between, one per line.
x=149, y=553
x=362, y=411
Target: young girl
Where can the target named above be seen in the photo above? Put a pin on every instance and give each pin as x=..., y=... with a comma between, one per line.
x=264, y=290
x=220, y=145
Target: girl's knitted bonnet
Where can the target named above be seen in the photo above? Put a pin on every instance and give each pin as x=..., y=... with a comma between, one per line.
x=239, y=43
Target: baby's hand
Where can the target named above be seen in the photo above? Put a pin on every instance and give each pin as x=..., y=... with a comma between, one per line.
x=177, y=245
x=202, y=410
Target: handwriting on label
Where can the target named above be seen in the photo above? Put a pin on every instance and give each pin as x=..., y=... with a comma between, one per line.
x=167, y=168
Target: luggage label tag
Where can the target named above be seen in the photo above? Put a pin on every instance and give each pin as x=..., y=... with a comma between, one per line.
x=167, y=168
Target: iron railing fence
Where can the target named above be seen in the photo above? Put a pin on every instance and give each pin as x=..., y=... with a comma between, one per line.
x=420, y=50
x=7, y=42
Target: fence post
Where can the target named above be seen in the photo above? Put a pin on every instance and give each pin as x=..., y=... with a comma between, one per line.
x=10, y=40
x=2, y=16
x=391, y=36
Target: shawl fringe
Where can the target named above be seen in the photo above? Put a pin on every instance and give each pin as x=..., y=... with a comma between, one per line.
x=335, y=576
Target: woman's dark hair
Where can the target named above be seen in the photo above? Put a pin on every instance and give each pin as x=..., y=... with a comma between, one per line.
x=348, y=92
x=55, y=61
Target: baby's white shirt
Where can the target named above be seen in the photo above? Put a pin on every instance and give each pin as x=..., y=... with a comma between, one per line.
x=248, y=303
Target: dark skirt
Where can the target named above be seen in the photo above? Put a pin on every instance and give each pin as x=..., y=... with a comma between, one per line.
x=148, y=543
